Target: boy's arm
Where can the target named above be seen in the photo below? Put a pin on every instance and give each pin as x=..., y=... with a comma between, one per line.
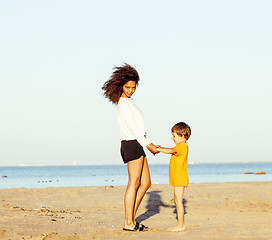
x=166, y=150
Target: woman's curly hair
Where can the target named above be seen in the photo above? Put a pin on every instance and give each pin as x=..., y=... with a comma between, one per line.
x=113, y=88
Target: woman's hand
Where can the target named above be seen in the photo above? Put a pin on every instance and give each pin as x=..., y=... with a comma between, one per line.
x=152, y=148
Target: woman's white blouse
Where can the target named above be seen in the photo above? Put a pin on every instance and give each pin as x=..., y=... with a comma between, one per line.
x=131, y=121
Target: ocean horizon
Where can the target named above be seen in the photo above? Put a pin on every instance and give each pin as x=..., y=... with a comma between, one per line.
x=103, y=175
x=121, y=164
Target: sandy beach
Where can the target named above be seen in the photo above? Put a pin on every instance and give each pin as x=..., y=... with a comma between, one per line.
x=213, y=211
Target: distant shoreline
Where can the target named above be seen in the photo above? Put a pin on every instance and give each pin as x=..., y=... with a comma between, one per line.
x=151, y=164
x=116, y=175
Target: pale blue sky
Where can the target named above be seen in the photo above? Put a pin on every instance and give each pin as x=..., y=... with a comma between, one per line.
x=207, y=63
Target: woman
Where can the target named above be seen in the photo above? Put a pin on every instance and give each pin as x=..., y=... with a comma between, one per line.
x=119, y=89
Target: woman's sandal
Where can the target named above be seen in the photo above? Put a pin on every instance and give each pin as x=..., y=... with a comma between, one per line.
x=137, y=227
x=143, y=226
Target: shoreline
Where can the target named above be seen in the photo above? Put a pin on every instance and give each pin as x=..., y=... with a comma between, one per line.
x=231, y=210
x=153, y=184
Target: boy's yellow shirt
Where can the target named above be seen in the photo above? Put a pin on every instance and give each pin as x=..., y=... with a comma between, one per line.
x=178, y=175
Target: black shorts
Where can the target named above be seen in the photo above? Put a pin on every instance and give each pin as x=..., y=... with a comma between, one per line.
x=131, y=150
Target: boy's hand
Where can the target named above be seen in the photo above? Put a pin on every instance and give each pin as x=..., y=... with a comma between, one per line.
x=152, y=148
x=158, y=147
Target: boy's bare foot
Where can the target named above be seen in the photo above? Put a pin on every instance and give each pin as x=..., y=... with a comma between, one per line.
x=176, y=229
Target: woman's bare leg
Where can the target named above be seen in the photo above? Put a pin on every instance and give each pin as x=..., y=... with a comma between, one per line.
x=145, y=183
x=135, y=169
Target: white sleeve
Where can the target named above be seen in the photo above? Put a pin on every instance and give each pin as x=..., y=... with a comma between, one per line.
x=134, y=124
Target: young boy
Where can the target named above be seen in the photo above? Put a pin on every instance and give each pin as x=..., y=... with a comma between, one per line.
x=178, y=176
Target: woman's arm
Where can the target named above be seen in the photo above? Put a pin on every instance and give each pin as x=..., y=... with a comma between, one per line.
x=166, y=150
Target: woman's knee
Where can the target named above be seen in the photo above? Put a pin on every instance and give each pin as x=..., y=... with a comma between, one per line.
x=146, y=184
x=134, y=183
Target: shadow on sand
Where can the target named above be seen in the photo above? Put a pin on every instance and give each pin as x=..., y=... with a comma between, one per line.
x=154, y=204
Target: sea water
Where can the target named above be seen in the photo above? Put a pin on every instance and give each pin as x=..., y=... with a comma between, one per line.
x=71, y=176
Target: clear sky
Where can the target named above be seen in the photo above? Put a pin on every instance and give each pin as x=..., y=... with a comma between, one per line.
x=207, y=63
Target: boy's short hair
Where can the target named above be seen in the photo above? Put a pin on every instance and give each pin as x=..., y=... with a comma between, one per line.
x=182, y=129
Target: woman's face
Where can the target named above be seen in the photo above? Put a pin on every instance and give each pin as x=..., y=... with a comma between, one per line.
x=128, y=89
